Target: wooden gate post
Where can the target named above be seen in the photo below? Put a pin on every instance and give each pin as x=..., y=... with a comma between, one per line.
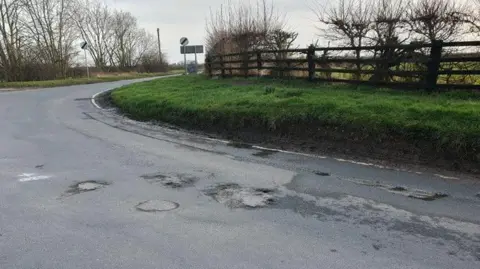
x=259, y=63
x=433, y=65
x=311, y=62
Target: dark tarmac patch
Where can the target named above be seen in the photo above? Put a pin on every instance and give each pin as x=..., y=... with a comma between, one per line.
x=152, y=206
x=40, y=166
x=171, y=181
x=428, y=196
x=323, y=174
x=398, y=188
x=239, y=145
x=235, y=196
x=333, y=250
x=264, y=153
x=86, y=186
x=452, y=253
x=310, y=209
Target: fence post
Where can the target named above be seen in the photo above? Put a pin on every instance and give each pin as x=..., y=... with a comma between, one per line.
x=433, y=65
x=246, y=64
x=208, y=65
x=259, y=63
x=222, y=66
x=311, y=62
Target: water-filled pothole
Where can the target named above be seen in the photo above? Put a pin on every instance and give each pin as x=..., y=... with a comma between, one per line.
x=236, y=196
x=156, y=206
x=264, y=153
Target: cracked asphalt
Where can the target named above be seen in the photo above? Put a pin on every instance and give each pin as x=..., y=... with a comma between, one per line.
x=155, y=197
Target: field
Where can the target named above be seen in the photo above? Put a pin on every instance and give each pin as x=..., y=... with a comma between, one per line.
x=439, y=128
x=95, y=78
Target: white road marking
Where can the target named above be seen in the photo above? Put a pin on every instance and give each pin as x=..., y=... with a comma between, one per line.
x=446, y=177
x=293, y=152
x=98, y=93
x=31, y=177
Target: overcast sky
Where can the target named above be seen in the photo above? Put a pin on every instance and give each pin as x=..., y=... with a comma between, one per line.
x=177, y=18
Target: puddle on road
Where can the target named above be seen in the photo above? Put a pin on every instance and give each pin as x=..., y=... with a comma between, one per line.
x=323, y=174
x=236, y=196
x=410, y=193
x=156, y=206
x=239, y=145
x=172, y=181
x=264, y=153
x=86, y=186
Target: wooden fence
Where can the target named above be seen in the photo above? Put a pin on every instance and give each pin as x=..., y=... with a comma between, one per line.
x=435, y=66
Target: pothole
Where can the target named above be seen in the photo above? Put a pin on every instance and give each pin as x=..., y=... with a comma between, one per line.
x=415, y=194
x=172, y=181
x=236, y=196
x=398, y=188
x=156, y=206
x=323, y=174
x=86, y=186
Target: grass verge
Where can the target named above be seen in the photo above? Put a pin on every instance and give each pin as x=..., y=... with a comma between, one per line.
x=77, y=81
x=441, y=129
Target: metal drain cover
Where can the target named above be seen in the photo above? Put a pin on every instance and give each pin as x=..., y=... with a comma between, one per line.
x=156, y=206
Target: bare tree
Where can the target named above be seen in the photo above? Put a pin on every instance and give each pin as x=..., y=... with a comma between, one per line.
x=436, y=19
x=93, y=20
x=124, y=33
x=389, y=24
x=242, y=26
x=49, y=25
x=472, y=18
x=11, y=40
x=280, y=40
x=142, y=44
x=348, y=22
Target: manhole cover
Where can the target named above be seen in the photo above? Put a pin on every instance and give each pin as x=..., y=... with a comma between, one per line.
x=156, y=206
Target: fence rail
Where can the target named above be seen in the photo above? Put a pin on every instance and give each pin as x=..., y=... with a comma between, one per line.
x=434, y=66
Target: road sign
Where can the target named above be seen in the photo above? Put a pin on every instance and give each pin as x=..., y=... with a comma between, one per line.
x=192, y=68
x=84, y=45
x=183, y=41
x=191, y=49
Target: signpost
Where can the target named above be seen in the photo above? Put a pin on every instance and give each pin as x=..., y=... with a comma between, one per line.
x=84, y=46
x=184, y=42
x=193, y=49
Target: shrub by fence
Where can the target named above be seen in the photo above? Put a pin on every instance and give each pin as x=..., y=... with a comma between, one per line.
x=435, y=66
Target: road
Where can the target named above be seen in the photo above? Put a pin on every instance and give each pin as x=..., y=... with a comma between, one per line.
x=82, y=187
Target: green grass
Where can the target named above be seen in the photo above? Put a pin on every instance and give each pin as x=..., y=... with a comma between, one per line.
x=77, y=81
x=451, y=121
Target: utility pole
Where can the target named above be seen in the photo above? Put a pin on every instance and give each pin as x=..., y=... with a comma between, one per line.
x=159, y=47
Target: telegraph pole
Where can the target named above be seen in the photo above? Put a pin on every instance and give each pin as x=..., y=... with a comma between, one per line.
x=159, y=47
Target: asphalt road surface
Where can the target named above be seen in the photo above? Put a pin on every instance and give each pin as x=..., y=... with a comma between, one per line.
x=82, y=187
